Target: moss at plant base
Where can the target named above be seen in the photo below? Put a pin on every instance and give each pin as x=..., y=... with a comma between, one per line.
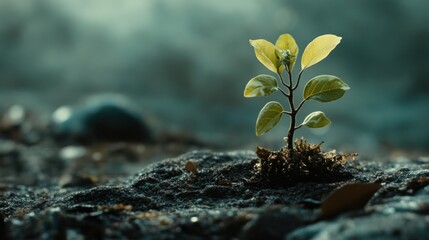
x=306, y=162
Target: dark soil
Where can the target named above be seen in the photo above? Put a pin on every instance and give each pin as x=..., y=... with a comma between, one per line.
x=222, y=199
x=108, y=191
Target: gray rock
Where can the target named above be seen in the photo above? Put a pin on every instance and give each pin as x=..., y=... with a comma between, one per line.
x=100, y=119
x=397, y=226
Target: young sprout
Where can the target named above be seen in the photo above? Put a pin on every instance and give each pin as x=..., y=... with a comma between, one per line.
x=281, y=58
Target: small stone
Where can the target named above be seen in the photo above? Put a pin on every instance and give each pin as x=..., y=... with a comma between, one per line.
x=15, y=115
x=101, y=119
x=194, y=219
x=7, y=147
x=72, y=152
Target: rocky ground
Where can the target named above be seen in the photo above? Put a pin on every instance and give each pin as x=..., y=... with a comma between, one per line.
x=123, y=191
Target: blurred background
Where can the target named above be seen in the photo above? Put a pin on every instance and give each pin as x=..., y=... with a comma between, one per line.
x=184, y=64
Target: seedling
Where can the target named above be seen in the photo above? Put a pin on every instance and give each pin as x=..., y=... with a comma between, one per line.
x=280, y=58
x=305, y=161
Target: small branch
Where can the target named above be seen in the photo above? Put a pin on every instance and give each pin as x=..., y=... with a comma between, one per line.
x=290, y=81
x=284, y=93
x=299, y=79
x=288, y=113
x=300, y=125
x=300, y=105
x=283, y=81
x=286, y=68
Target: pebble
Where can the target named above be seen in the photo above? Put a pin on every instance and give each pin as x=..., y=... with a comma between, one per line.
x=100, y=119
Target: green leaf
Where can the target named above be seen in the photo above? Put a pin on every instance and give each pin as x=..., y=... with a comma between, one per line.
x=325, y=88
x=287, y=50
x=316, y=120
x=261, y=85
x=266, y=54
x=268, y=117
x=318, y=49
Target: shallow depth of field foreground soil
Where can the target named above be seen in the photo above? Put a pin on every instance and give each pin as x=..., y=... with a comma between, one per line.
x=198, y=195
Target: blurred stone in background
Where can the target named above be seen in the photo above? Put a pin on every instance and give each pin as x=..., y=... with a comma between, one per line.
x=101, y=119
x=186, y=62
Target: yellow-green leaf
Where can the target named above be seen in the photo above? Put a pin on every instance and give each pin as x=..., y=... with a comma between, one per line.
x=325, y=88
x=316, y=120
x=287, y=49
x=347, y=198
x=318, y=49
x=266, y=54
x=268, y=117
x=261, y=85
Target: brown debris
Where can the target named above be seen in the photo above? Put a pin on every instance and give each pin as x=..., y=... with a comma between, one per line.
x=417, y=184
x=349, y=197
x=191, y=167
x=116, y=208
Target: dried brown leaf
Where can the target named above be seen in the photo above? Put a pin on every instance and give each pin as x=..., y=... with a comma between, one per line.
x=347, y=198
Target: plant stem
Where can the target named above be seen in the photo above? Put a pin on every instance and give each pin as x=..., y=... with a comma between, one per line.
x=283, y=82
x=293, y=112
x=300, y=105
x=283, y=92
x=298, y=80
